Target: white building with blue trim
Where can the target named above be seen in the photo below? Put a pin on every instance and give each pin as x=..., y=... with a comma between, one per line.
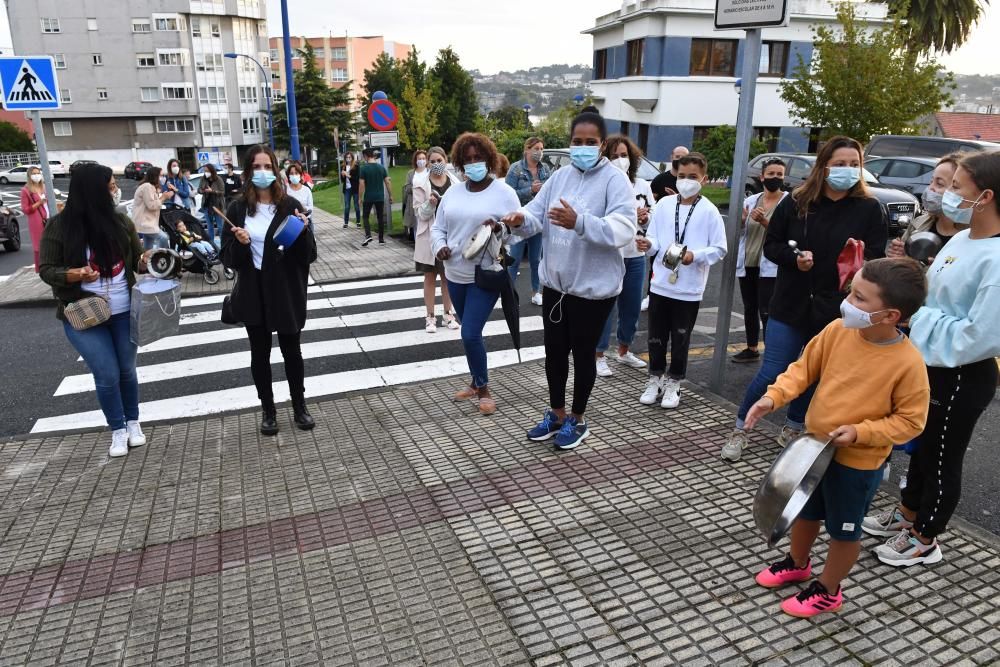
x=664, y=75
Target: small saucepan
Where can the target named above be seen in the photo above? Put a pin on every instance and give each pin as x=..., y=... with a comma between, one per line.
x=288, y=231
x=922, y=246
x=674, y=255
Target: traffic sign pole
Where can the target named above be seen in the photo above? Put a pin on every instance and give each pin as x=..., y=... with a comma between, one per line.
x=43, y=157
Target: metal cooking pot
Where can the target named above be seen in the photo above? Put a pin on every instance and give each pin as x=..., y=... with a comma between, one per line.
x=674, y=255
x=164, y=263
x=288, y=231
x=789, y=483
x=479, y=240
x=923, y=245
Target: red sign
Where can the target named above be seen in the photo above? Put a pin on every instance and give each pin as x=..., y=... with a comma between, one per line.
x=383, y=115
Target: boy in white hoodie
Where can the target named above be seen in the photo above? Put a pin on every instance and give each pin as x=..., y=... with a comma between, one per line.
x=690, y=220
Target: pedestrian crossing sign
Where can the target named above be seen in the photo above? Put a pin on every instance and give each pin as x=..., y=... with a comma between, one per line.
x=29, y=83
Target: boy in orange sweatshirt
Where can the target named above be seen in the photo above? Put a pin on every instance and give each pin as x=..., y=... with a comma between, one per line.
x=872, y=392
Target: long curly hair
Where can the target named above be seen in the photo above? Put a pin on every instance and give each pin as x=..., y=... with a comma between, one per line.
x=483, y=144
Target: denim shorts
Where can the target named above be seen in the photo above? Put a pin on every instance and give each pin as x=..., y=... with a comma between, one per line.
x=843, y=498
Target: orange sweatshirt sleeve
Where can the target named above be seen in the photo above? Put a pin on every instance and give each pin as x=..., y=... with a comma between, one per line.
x=800, y=375
x=910, y=403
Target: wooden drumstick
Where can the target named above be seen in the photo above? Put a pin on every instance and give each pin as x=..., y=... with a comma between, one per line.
x=223, y=216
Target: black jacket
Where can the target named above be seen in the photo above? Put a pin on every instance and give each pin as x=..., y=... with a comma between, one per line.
x=352, y=174
x=810, y=301
x=275, y=296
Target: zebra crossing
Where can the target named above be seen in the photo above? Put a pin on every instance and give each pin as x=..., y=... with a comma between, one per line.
x=358, y=335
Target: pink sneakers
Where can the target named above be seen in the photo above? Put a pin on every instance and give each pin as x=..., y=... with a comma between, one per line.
x=813, y=601
x=784, y=572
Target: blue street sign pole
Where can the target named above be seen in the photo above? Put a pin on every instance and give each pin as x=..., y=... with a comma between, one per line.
x=43, y=157
x=293, y=120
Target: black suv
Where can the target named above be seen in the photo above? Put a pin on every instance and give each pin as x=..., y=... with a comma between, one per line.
x=899, y=206
x=79, y=163
x=10, y=230
x=137, y=170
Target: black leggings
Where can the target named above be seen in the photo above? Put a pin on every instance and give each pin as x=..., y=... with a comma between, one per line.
x=260, y=364
x=379, y=218
x=572, y=325
x=756, y=293
x=934, y=481
x=670, y=323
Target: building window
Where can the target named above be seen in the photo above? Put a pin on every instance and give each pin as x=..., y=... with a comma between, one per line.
x=102, y=94
x=643, y=138
x=248, y=95
x=62, y=128
x=91, y=24
x=167, y=24
x=601, y=64
x=319, y=52
x=251, y=125
x=212, y=95
x=768, y=135
x=214, y=127
x=773, y=58
x=50, y=25
x=700, y=134
x=65, y=96
x=633, y=61
x=145, y=60
x=208, y=62
x=216, y=28
x=97, y=59
x=141, y=25
x=170, y=58
x=149, y=94
x=195, y=26
x=172, y=126
x=274, y=54
x=143, y=127
x=60, y=60
x=176, y=92
x=338, y=53
x=624, y=128
x=338, y=74
x=713, y=57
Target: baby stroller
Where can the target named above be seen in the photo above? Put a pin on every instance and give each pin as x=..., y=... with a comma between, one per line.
x=195, y=261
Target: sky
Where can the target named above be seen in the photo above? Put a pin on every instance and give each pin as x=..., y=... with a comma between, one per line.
x=518, y=34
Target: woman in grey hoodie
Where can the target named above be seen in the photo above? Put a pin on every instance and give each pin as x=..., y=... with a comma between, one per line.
x=585, y=213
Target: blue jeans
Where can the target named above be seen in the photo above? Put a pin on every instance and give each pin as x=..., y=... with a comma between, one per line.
x=110, y=355
x=351, y=196
x=533, y=247
x=627, y=305
x=157, y=240
x=212, y=223
x=473, y=307
x=782, y=346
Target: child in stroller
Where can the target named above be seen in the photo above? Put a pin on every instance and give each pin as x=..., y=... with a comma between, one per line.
x=186, y=237
x=191, y=241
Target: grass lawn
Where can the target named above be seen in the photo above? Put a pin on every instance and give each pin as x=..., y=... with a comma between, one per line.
x=717, y=194
x=331, y=199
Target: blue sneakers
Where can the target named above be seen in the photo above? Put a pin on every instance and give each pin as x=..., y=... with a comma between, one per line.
x=571, y=434
x=547, y=428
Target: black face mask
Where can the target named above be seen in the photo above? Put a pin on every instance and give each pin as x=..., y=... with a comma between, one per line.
x=773, y=184
x=675, y=164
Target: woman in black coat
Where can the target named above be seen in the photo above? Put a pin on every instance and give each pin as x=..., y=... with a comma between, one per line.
x=270, y=291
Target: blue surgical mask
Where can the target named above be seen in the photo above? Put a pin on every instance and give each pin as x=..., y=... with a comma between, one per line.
x=476, y=171
x=262, y=178
x=843, y=179
x=584, y=157
x=951, y=206
x=932, y=201
x=294, y=179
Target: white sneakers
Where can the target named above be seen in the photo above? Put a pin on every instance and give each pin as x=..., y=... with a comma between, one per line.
x=663, y=389
x=671, y=394
x=447, y=320
x=645, y=305
x=123, y=438
x=603, y=370
x=631, y=360
x=136, y=438
x=431, y=326
x=536, y=298
x=653, y=391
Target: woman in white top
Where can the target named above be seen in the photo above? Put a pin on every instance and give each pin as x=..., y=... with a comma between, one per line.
x=625, y=155
x=756, y=272
x=427, y=188
x=297, y=187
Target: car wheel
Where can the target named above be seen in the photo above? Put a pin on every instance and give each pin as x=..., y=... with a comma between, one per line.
x=3, y=180
x=13, y=243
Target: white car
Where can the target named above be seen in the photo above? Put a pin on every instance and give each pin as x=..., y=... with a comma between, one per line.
x=15, y=175
x=58, y=168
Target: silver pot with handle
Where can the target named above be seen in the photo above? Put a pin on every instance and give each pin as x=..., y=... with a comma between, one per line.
x=787, y=486
x=673, y=256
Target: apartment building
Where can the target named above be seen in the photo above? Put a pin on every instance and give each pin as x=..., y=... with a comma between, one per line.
x=665, y=76
x=343, y=60
x=148, y=79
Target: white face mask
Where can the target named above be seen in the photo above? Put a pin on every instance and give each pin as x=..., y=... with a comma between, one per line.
x=116, y=197
x=175, y=170
x=36, y=178
x=688, y=187
x=854, y=317
x=622, y=163
x=421, y=164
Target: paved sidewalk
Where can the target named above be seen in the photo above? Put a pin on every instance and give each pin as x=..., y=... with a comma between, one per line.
x=341, y=257
x=407, y=529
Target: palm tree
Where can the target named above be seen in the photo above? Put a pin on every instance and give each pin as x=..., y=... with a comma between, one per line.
x=937, y=25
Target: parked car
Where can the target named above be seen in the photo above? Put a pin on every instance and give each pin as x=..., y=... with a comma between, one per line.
x=18, y=174
x=10, y=230
x=898, y=145
x=899, y=206
x=79, y=163
x=912, y=174
x=559, y=157
x=137, y=170
x=58, y=168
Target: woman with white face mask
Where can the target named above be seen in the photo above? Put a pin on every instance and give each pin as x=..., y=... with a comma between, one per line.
x=933, y=219
x=35, y=208
x=958, y=333
x=297, y=187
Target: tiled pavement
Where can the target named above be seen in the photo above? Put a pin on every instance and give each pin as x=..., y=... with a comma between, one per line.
x=406, y=529
x=341, y=257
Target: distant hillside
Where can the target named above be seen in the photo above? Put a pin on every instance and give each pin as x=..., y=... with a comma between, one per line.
x=977, y=93
x=544, y=88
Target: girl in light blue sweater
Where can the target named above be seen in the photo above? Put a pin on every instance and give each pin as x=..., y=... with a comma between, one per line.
x=958, y=333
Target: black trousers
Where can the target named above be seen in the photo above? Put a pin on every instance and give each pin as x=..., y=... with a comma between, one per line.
x=670, y=323
x=756, y=293
x=260, y=364
x=379, y=218
x=572, y=326
x=934, y=481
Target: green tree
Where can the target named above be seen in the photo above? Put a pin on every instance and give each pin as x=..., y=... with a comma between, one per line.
x=418, y=125
x=559, y=120
x=863, y=81
x=385, y=75
x=458, y=106
x=719, y=147
x=14, y=140
x=936, y=25
x=509, y=118
x=322, y=111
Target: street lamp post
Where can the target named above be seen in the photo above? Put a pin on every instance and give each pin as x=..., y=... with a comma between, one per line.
x=293, y=116
x=527, y=115
x=267, y=92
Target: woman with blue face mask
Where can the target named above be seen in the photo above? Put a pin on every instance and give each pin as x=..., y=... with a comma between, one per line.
x=958, y=334
x=832, y=206
x=586, y=214
x=269, y=294
x=933, y=219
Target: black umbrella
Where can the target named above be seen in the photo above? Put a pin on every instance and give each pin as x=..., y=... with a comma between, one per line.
x=510, y=303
